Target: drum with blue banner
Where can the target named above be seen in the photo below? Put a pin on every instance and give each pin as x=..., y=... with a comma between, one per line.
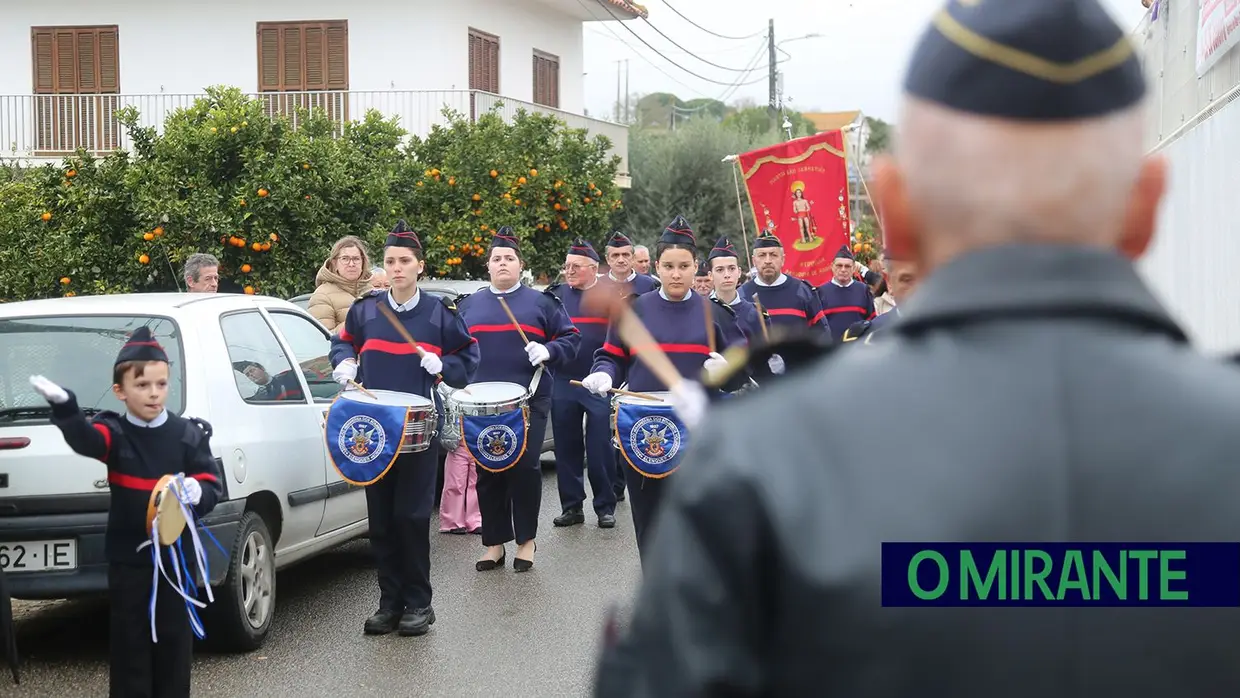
x=494, y=419
x=367, y=430
x=650, y=436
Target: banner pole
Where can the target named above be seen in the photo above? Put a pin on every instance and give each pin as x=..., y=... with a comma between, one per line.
x=740, y=210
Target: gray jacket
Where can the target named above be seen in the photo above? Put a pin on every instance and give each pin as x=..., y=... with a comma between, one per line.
x=1031, y=393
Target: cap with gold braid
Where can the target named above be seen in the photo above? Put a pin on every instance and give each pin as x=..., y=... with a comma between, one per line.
x=1044, y=60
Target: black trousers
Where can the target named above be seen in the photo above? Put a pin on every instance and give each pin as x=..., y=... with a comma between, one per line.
x=510, y=501
x=399, y=510
x=138, y=667
x=645, y=493
x=570, y=403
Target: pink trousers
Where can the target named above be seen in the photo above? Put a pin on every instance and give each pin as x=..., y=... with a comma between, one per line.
x=458, y=508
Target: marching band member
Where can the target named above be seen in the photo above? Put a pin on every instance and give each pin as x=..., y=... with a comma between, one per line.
x=702, y=283
x=790, y=301
x=620, y=266
x=676, y=318
x=511, y=496
x=845, y=300
x=570, y=403
x=901, y=282
x=725, y=272
x=139, y=448
x=399, y=505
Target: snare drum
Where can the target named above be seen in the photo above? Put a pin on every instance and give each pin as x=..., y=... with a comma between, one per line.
x=490, y=398
x=648, y=433
x=365, y=434
x=494, y=421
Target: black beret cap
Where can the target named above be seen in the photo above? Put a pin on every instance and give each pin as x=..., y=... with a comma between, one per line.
x=506, y=237
x=583, y=248
x=1042, y=60
x=766, y=240
x=141, y=346
x=678, y=232
x=402, y=236
x=723, y=248
x=619, y=239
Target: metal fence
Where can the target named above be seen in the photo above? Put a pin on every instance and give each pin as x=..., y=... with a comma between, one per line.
x=1179, y=99
x=51, y=126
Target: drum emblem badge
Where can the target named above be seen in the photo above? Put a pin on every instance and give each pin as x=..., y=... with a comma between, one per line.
x=361, y=439
x=497, y=442
x=655, y=439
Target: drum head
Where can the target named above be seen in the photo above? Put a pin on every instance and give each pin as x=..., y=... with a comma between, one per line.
x=164, y=502
x=490, y=392
x=386, y=397
x=663, y=396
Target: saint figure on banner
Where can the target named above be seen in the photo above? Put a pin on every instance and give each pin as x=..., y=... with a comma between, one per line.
x=804, y=218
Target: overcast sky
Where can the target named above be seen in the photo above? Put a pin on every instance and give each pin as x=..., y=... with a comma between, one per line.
x=857, y=64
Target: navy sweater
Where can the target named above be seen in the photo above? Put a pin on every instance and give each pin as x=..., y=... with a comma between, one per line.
x=845, y=306
x=137, y=457
x=747, y=321
x=791, y=303
x=385, y=359
x=680, y=329
x=593, y=328
x=543, y=319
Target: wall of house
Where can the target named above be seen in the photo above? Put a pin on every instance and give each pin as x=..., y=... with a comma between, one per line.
x=179, y=47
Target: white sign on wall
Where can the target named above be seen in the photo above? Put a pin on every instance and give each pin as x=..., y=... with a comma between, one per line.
x=1218, y=31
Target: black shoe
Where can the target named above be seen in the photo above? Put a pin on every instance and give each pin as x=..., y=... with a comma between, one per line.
x=607, y=521
x=382, y=622
x=521, y=565
x=620, y=496
x=570, y=517
x=417, y=622
x=488, y=565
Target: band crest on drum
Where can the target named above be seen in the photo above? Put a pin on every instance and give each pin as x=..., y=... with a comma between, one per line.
x=655, y=440
x=361, y=439
x=497, y=442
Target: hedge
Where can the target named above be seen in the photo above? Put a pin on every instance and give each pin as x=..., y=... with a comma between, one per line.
x=269, y=199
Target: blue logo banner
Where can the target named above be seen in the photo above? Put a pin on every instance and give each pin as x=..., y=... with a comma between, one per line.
x=652, y=438
x=363, y=438
x=495, y=442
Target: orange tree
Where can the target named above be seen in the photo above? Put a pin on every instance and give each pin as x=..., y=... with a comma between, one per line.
x=866, y=240
x=467, y=179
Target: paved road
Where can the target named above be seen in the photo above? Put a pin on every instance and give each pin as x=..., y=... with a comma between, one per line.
x=498, y=633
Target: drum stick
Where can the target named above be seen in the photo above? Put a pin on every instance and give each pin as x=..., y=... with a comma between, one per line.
x=710, y=325
x=643, y=345
x=618, y=391
x=524, y=340
x=387, y=313
x=362, y=390
x=766, y=335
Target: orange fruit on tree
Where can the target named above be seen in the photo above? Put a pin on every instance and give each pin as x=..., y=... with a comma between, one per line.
x=159, y=231
x=856, y=248
x=494, y=174
x=245, y=268
x=262, y=193
x=148, y=236
x=64, y=280
x=867, y=247
x=520, y=180
x=257, y=247
x=533, y=173
x=47, y=216
x=586, y=200
x=517, y=202
x=249, y=290
x=266, y=246
x=71, y=173
x=241, y=202
x=143, y=259
x=477, y=197
x=70, y=294
x=305, y=165
x=452, y=181
x=477, y=238
x=452, y=248
x=274, y=237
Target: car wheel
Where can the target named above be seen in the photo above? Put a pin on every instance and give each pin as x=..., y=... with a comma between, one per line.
x=245, y=603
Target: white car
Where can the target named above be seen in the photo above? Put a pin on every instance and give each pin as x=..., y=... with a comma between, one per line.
x=283, y=500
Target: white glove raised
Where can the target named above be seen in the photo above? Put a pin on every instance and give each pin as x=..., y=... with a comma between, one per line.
x=538, y=353
x=192, y=491
x=776, y=363
x=345, y=372
x=690, y=402
x=50, y=391
x=431, y=364
x=598, y=383
x=716, y=362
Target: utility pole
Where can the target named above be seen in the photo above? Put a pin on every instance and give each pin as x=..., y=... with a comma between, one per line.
x=627, y=115
x=618, y=91
x=772, y=106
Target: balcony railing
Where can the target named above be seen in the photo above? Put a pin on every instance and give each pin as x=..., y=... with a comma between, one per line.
x=50, y=126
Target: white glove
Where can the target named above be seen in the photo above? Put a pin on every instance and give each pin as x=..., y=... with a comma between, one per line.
x=431, y=363
x=776, y=363
x=716, y=362
x=538, y=353
x=598, y=383
x=50, y=391
x=689, y=400
x=192, y=491
x=345, y=372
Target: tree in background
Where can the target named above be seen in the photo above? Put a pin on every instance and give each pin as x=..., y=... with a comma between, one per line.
x=879, y=140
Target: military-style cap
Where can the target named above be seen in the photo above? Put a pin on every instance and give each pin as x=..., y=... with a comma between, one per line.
x=506, y=237
x=702, y=271
x=766, y=240
x=723, y=248
x=678, y=232
x=583, y=248
x=619, y=239
x=844, y=253
x=141, y=346
x=1046, y=60
x=402, y=236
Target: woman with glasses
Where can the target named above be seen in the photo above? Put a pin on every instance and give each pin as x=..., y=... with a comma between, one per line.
x=343, y=277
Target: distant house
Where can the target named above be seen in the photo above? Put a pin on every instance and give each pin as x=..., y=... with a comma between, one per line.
x=69, y=66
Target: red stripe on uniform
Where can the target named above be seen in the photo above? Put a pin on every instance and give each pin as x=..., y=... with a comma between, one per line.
x=818, y=318
x=130, y=482
x=205, y=477
x=475, y=329
x=845, y=309
x=589, y=320
x=344, y=335
x=614, y=350
x=679, y=349
x=471, y=341
x=107, y=440
x=785, y=311
x=384, y=346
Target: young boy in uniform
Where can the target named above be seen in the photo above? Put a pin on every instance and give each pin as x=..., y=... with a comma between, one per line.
x=139, y=448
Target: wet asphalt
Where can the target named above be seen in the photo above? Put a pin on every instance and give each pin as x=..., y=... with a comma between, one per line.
x=497, y=633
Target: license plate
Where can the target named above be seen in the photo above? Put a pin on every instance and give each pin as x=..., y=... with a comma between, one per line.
x=38, y=556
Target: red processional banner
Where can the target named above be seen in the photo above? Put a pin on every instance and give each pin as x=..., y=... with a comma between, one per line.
x=798, y=191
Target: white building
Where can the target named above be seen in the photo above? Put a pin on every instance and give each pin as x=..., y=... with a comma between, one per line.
x=67, y=66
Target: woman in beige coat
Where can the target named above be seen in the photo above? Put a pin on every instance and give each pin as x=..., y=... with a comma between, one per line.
x=344, y=276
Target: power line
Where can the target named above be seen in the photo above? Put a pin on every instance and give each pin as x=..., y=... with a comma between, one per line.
x=649, y=62
x=682, y=48
x=721, y=36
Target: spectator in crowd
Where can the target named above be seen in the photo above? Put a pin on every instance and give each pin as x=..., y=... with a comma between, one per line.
x=641, y=259
x=344, y=276
x=202, y=273
x=378, y=278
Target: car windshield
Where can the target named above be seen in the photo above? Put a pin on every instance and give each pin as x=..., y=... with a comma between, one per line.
x=77, y=352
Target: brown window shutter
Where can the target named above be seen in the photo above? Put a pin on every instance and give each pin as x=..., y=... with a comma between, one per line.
x=42, y=43
x=291, y=55
x=316, y=49
x=109, y=62
x=268, y=59
x=66, y=61
x=546, y=79
x=483, y=61
x=337, y=56
x=493, y=56
x=87, y=65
